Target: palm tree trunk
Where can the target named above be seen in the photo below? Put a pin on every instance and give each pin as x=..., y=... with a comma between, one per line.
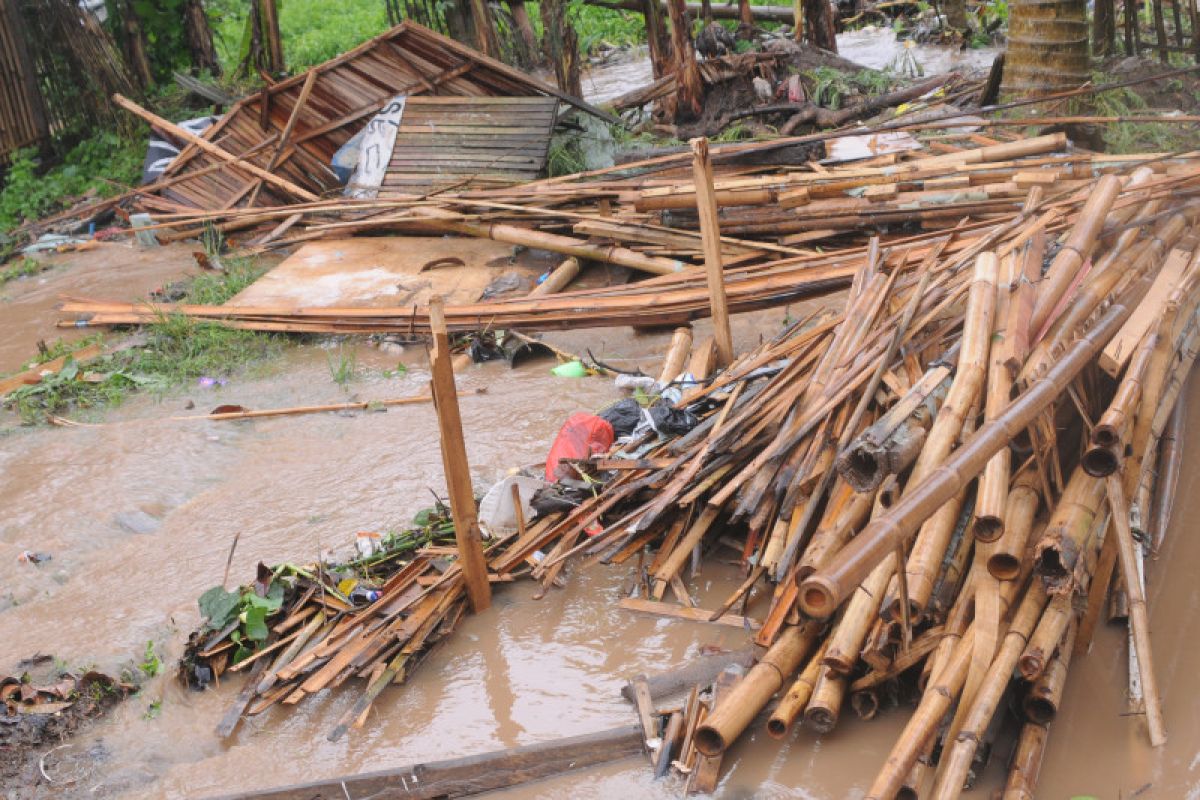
x=1047, y=47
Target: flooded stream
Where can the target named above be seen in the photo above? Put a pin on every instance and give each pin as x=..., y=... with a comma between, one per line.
x=875, y=48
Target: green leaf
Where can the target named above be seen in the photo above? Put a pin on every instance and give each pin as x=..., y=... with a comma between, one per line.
x=69, y=370
x=256, y=623
x=219, y=606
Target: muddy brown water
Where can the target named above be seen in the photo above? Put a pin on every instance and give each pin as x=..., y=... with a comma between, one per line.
x=876, y=48
x=525, y=671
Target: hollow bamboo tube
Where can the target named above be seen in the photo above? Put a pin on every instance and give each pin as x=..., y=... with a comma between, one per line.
x=936, y=700
x=1044, y=696
x=1075, y=250
x=796, y=698
x=213, y=150
x=894, y=441
x=825, y=704
x=1004, y=562
x=467, y=535
x=934, y=535
x=1103, y=454
x=848, y=635
x=558, y=280
x=735, y=711
x=952, y=772
x=710, y=238
x=1039, y=649
x=1139, y=620
x=1020, y=304
x=1026, y=763
x=991, y=495
x=1062, y=545
x=677, y=353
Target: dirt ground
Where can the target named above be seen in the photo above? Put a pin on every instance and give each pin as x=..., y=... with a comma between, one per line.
x=527, y=670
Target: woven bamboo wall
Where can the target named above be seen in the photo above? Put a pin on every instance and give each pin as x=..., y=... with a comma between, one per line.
x=22, y=114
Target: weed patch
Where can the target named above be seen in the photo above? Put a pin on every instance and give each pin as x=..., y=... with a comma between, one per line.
x=103, y=165
x=177, y=350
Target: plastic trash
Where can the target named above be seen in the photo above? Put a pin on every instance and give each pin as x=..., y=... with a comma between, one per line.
x=497, y=516
x=571, y=369
x=32, y=557
x=581, y=436
x=624, y=416
x=667, y=419
x=367, y=543
x=634, y=382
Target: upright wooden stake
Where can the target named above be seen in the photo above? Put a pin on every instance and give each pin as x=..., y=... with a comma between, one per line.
x=454, y=461
x=1139, y=619
x=710, y=237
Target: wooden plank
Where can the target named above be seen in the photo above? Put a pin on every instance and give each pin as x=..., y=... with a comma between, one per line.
x=1118, y=351
x=34, y=375
x=454, y=460
x=690, y=614
x=470, y=775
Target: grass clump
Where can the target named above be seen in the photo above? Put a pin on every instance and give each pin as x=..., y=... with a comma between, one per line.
x=103, y=165
x=831, y=88
x=22, y=268
x=177, y=350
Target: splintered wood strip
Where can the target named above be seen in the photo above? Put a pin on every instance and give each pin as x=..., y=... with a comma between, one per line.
x=681, y=612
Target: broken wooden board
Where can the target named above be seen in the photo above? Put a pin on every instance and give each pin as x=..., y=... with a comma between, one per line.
x=458, y=142
x=460, y=777
x=34, y=375
x=1118, y=351
x=388, y=271
x=683, y=612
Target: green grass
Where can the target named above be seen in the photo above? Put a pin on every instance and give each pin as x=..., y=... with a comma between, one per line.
x=104, y=165
x=21, y=268
x=177, y=350
x=1133, y=137
x=831, y=87
x=312, y=30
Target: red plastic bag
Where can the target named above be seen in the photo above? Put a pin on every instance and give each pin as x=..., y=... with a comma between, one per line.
x=581, y=436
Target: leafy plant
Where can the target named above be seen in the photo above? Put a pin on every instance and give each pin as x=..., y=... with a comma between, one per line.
x=247, y=610
x=153, y=710
x=22, y=268
x=103, y=165
x=832, y=87
x=151, y=664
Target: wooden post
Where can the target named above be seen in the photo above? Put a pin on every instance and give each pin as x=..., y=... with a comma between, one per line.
x=710, y=237
x=454, y=461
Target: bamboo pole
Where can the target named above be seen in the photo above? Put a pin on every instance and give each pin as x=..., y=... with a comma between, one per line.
x=677, y=353
x=933, y=537
x=821, y=593
x=952, y=772
x=825, y=704
x=1026, y=763
x=454, y=460
x=795, y=700
x=735, y=711
x=706, y=206
x=1076, y=249
x=1042, y=701
x=558, y=280
x=212, y=149
x=1004, y=562
x=1139, y=620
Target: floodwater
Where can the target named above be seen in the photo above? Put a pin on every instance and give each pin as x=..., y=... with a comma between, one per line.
x=876, y=48
x=525, y=671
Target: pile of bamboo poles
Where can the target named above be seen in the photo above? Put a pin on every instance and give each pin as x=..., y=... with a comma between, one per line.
x=921, y=488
